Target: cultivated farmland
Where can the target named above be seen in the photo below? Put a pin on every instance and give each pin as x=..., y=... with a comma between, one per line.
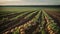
x=29, y=20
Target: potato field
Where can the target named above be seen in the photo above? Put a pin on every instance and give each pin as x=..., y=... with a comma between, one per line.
x=29, y=20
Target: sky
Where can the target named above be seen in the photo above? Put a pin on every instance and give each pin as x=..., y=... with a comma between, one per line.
x=29, y=2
